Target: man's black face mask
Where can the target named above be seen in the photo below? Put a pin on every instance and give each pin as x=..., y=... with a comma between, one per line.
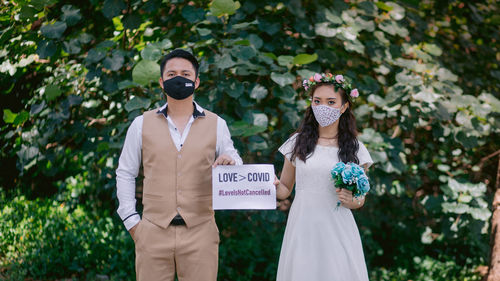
x=178, y=87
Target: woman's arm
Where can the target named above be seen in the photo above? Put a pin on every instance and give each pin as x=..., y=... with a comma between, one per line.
x=285, y=185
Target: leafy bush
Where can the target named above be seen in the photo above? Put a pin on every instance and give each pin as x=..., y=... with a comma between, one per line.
x=46, y=239
x=429, y=269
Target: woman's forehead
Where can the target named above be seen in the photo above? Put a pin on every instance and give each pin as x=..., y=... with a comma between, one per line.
x=325, y=92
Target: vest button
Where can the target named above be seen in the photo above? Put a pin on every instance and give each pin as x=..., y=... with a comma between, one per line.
x=179, y=156
x=178, y=174
x=178, y=208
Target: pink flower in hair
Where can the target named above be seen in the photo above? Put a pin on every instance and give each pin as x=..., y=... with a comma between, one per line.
x=339, y=78
x=317, y=77
x=354, y=93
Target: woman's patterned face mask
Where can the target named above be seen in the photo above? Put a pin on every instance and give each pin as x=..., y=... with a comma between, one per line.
x=326, y=115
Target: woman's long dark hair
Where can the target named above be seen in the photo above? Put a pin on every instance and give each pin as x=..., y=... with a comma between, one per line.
x=308, y=132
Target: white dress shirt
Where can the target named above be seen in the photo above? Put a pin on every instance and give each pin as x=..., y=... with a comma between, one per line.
x=130, y=159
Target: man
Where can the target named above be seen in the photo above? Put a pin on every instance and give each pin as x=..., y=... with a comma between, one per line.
x=179, y=144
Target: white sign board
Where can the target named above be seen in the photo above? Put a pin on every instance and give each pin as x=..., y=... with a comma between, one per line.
x=243, y=187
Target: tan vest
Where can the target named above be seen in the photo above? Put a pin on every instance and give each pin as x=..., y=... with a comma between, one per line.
x=178, y=181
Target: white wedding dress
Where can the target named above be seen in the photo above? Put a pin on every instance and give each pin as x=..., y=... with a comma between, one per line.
x=321, y=241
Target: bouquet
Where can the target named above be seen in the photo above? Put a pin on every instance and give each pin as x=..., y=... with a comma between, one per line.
x=351, y=177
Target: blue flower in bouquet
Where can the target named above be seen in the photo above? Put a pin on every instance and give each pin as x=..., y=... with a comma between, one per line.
x=357, y=171
x=338, y=169
x=363, y=184
x=347, y=175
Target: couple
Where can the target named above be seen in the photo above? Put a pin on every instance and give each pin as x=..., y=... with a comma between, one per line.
x=179, y=143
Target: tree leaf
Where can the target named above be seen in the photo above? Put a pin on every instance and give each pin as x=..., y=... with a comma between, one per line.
x=480, y=214
x=324, y=30
x=137, y=103
x=255, y=40
x=40, y=4
x=243, y=129
x=333, y=17
x=260, y=119
x=285, y=60
x=113, y=8
x=132, y=21
x=304, y=59
x=95, y=55
x=432, y=49
x=55, y=30
x=27, y=12
x=193, y=14
x=225, y=62
x=383, y=6
x=243, y=52
x=224, y=7
x=282, y=79
x=21, y=117
x=46, y=48
x=71, y=15
x=113, y=63
x=203, y=31
x=454, y=207
x=72, y=47
x=397, y=12
x=305, y=73
x=151, y=52
x=146, y=71
x=9, y=116
x=36, y=108
x=258, y=92
x=52, y=92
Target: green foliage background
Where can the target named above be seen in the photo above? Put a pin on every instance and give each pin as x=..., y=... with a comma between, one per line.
x=74, y=74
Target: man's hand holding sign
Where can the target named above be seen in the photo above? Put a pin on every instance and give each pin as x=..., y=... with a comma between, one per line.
x=243, y=187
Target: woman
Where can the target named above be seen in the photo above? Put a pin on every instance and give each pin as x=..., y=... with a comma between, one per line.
x=322, y=240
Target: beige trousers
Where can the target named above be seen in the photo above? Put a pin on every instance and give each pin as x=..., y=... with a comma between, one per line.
x=191, y=252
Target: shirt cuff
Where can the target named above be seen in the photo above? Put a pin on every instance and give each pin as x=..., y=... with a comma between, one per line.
x=132, y=221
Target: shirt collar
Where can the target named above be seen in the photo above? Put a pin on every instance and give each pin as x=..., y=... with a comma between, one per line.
x=197, y=111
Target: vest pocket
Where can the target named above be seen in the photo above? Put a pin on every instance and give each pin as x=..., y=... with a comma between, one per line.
x=153, y=189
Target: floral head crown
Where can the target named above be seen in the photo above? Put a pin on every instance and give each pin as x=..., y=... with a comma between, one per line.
x=337, y=81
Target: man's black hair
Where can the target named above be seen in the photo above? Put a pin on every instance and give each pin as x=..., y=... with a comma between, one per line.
x=179, y=53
